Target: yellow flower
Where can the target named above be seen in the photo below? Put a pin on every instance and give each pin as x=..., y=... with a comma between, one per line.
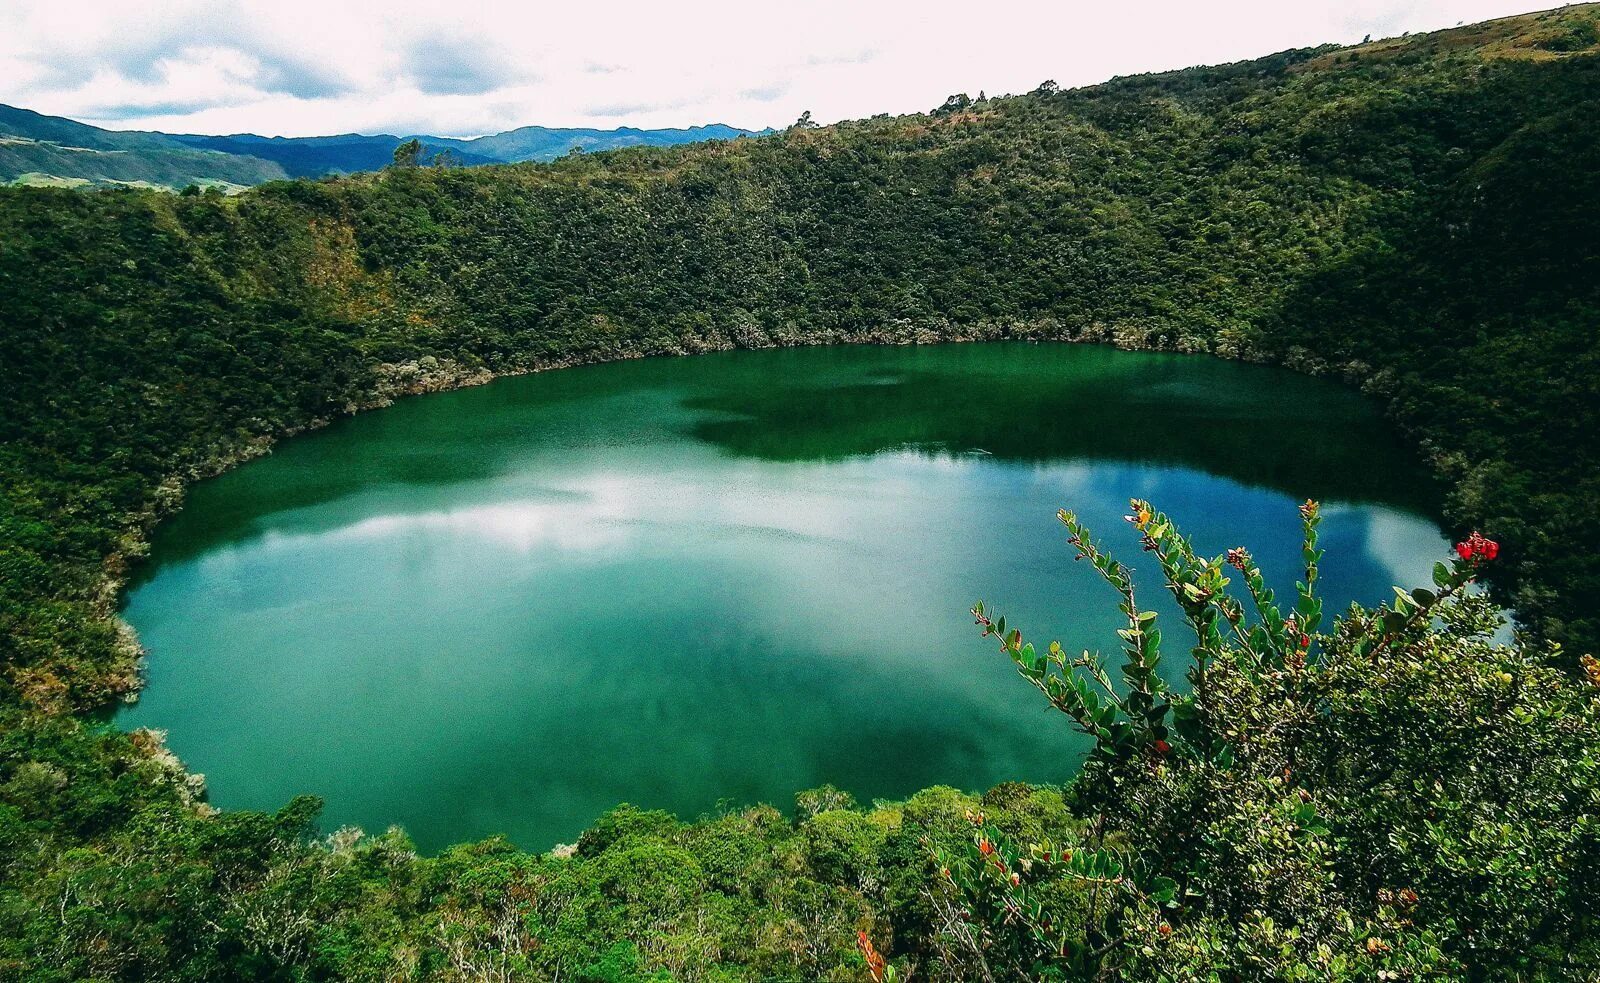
x=1141, y=515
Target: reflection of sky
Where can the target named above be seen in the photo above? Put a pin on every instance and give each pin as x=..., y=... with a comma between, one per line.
x=625, y=613
x=603, y=510
x=1402, y=546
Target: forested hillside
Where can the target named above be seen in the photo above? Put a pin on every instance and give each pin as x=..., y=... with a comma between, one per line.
x=1418, y=216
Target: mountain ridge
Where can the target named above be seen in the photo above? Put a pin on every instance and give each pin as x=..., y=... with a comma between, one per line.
x=36, y=148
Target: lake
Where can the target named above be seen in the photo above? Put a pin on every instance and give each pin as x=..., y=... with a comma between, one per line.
x=719, y=579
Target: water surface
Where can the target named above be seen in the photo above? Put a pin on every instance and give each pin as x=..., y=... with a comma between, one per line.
x=681, y=582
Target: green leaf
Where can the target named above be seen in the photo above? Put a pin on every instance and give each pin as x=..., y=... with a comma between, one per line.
x=1163, y=890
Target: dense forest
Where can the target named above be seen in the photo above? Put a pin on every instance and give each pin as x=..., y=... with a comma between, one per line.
x=1393, y=798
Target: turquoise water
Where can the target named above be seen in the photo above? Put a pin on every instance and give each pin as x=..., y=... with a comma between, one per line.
x=723, y=578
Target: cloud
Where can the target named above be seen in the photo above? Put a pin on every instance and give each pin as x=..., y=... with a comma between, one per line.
x=460, y=64
x=187, y=80
x=140, y=110
x=302, y=79
x=858, y=57
x=154, y=56
x=766, y=93
x=620, y=109
x=301, y=67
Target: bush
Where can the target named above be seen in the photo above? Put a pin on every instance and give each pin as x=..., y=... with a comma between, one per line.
x=1397, y=794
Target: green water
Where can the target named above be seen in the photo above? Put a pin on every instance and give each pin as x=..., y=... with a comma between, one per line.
x=722, y=578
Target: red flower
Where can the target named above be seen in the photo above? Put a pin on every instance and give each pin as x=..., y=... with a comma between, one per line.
x=1162, y=747
x=985, y=847
x=1476, y=548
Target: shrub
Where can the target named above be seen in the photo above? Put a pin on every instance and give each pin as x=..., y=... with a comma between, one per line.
x=1398, y=795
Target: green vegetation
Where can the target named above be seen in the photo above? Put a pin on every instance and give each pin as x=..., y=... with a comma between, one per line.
x=1394, y=797
x=1419, y=216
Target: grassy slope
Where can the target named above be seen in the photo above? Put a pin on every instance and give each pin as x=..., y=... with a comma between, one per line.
x=175, y=168
x=38, y=148
x=27, y=124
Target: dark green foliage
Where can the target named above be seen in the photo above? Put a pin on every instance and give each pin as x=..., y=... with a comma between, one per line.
x=741, y=895
x=1421, y=220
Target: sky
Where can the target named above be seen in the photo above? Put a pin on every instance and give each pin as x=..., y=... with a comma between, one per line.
x=306, y=67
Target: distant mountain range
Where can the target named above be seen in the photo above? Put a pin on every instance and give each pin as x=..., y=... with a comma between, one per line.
x=52, y=150
x=349, y=152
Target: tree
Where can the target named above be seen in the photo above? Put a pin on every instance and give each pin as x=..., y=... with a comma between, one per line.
x=408, y=154
x=804, y=122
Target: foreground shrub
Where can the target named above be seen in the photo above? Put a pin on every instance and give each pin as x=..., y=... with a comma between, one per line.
x=1396, y=796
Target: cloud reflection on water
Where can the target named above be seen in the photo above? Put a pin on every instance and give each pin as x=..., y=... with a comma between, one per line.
x=505, y=612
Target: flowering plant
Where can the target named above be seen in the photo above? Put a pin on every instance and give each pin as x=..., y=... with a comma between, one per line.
x=1374, y=796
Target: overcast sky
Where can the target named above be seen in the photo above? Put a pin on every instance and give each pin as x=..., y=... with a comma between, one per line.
x=300, y=67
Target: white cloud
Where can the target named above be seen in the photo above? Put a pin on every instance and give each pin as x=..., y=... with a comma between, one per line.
x=299, y=67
